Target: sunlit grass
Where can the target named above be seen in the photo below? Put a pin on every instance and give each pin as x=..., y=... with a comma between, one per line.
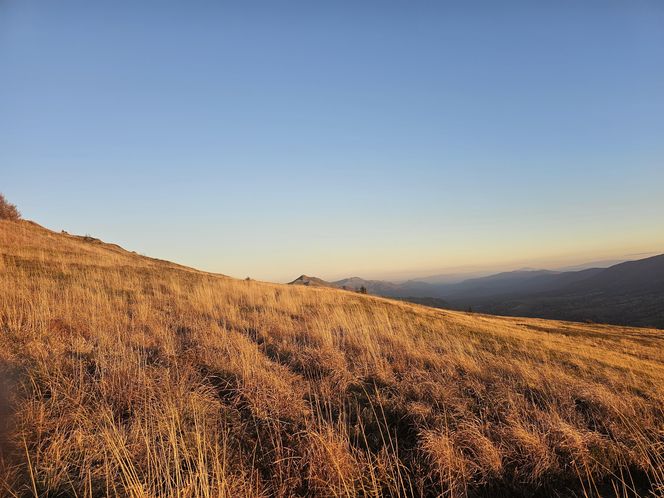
x=136, y=377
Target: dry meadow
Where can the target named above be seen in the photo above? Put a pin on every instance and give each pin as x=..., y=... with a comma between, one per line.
x=130, y=376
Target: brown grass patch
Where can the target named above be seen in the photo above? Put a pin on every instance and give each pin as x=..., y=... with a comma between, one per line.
x=138, y=377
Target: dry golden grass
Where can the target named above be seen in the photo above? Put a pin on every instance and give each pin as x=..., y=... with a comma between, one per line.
x=136, y=377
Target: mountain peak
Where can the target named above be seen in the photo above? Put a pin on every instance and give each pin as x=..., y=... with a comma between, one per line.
x=310, y=281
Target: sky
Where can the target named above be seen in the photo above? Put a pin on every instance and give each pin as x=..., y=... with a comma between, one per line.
x=376, y=138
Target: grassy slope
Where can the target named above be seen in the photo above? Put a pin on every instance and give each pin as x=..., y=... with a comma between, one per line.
x=137, y=377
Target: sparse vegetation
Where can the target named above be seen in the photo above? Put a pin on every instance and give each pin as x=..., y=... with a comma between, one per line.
x=136, y=377
x=8, y=211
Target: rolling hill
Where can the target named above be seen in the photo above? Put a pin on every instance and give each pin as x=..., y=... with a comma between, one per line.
x=132, y=376
x=311, y=281
x=411, y=288
x=628, y=293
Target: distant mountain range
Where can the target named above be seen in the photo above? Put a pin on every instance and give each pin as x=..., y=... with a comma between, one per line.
x=411, y=288
x=628, y=293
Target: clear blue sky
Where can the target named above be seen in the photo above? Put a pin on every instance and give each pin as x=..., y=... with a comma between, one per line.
x=335, y=138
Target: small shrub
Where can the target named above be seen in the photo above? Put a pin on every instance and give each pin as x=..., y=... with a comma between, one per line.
x=8, y=211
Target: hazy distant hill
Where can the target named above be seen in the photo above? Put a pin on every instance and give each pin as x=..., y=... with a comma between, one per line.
x=629, y=293
x=605, y=263
x=410, y=288
x=452, y=278
x=641, y=276
x=377, y=287
x=388, y=289
x=311, y=281
x=498, y=283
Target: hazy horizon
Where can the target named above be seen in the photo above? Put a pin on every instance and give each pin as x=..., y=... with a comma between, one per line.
x=347, y=139
x=563, y=262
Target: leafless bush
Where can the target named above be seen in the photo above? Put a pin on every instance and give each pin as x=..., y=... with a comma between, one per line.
x=8, y=211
